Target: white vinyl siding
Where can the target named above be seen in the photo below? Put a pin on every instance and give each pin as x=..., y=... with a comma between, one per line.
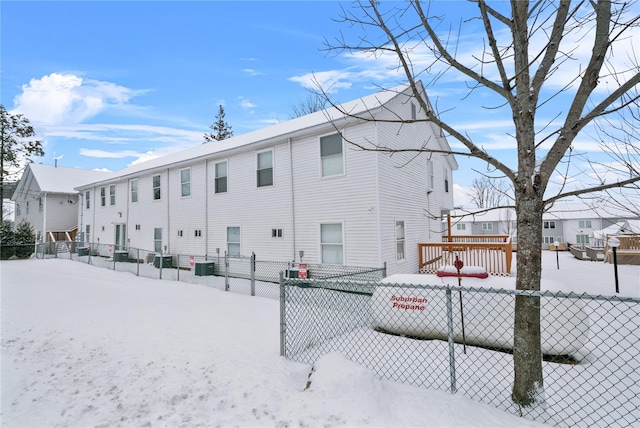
x=265, y=168
x=220, y=184
x=331, y=149
x=185, y=182
x=331, y=243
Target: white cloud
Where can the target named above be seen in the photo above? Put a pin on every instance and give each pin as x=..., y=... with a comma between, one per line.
x=252, y=72
x=69, y=99
x=246, y=104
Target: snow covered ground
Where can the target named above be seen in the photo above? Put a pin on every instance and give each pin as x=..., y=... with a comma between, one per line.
x=85, y=346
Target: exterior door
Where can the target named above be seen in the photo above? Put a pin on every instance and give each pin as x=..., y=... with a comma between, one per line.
x=121, y=237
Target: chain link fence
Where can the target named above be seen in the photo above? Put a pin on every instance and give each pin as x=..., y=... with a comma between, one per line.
x=244, y=274
x=460, y=340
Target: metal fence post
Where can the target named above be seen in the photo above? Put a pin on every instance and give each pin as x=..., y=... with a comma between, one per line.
x=161, y=263
x=283, y=326
x=452, y=358
x=137, y=261
x=384, y=270
x=226, y=271
x=253, y=274
x=178, y=266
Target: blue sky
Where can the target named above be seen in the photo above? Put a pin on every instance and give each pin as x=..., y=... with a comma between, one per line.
x=107, y=84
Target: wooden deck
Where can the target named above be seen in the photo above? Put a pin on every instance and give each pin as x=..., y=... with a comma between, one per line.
x=628, y=253
x=493, y=252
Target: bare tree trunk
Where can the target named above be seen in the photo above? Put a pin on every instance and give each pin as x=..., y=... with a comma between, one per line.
x=527, y=351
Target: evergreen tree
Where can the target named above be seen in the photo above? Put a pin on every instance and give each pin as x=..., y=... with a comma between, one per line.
x=6, y=233
x=24, y=233
x=222, y=130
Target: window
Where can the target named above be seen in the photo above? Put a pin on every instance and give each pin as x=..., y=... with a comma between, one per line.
x=134, y=190
x=233, y=241
x=18, y=210
x=87, y=199
x=265, y=169
x=103, y=196
x=514, y=225
x=400, y=240
x=185, y=182
x=331, y=155
x=112, y=194
x=413, y=112
x=549, y=224
x=430, y=174
x=584, y=224
x=39, y=204
x=332, y=251
x=157, y=239
x=276, y=233
x=156, y=187
x=87, y=233
x=197, y=233
x=446, y=180
x=137, y=227
x=487, y=226
x=27, y=208
x=180, y=233
x=461, y=226
x=582, y=239
x=220, y=184
x=549, y=239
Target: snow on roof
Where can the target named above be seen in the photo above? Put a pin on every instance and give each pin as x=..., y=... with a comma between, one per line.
x=52, y=179
x=563, y=210
x=281, y=130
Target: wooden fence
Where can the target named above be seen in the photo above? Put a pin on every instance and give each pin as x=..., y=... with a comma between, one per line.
x=628, y=253
x=492, y=252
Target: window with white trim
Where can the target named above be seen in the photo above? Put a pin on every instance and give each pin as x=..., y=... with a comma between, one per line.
x=549, y=224
x=185, y=182
x=264, y=171
x=584, y=224
x=233, y=241
x=40, y=205
x=220, y=183
x=87, y=233
x=331, y=155
x=548, y=239
x=180, y=233
x=400, y=240
x=27, y=208
x=461, y=226
x=103, y=196
x=112, y=194
x=331, y=244
x=87, y=199
x=430, y=180
x=156, y=187
x=487, y=226
x=18, y=210
x=276, y=233
x=197, y=233
x=582, y=239
x=134, y=190
x=446, y=180
x=157, y=240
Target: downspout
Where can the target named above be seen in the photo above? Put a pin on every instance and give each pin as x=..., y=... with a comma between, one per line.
x=44, y=216
x=168, y=216
x=293, y=202
x=126, y=217
x=206, y=209
x=378, y=208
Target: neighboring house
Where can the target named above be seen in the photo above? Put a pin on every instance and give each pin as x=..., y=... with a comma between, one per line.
x=46, y=198
x=499, y=221
x=566, y=222
x=300, y=185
